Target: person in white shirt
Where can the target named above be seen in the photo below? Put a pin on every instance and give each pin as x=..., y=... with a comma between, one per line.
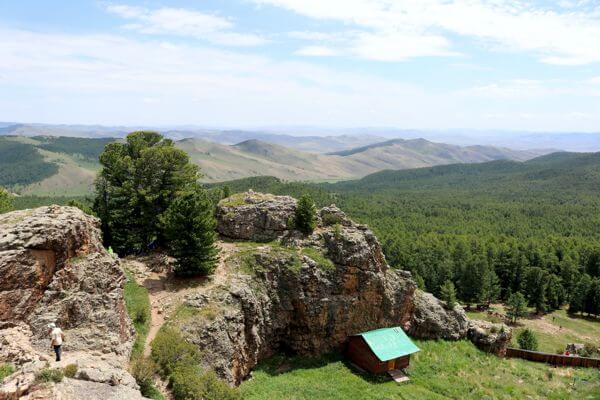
x=57, y=337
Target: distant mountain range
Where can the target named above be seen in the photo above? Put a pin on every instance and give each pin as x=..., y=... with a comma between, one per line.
x=327, y=140
x=66, y=165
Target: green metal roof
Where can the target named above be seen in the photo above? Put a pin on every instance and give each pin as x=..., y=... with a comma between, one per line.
x=389, y=343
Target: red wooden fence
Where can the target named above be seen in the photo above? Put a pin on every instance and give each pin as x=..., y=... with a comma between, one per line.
x=554, y=359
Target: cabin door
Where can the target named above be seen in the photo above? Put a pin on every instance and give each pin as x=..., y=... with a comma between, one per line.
x=391, y=364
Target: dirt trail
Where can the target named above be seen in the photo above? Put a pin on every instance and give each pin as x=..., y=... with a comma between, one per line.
x=167, y=292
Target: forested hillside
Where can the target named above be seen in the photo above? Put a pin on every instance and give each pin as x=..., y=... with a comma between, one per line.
x=492, y=229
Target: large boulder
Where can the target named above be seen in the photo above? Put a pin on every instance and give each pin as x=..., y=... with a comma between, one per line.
x=490, y=337
x=430, y=319
x=255, y=216
x=55, y=269
x=304, y=294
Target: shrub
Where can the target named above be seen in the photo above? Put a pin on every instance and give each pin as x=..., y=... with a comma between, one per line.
x=6, y=370
x=190, y=382
x=337, y=231
x=590, y=350
x=70, y=370
x=306, y=215
x=169, y=349
x=527, y=340
x=49, y=375
x=6, y=202
x=448, y=294
x=141, y=316
x=143, y=370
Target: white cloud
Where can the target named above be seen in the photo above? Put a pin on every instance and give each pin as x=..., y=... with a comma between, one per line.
x=568, y=37
x=316, y=51
x=112, y=79
x=183, y=22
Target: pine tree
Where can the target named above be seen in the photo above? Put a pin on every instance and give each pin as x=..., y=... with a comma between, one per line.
x=306, y=215
x=555, y=294
x=138, y=181
x=189, y=226
x=527, y=340
x=536, y=281
x=579, y=295
x=592, y=299
x=517, y=306
x=490, y=287
x=6, y=203
x=448, y=294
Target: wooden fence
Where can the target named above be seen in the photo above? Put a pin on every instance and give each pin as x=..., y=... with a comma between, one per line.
x=554, y=359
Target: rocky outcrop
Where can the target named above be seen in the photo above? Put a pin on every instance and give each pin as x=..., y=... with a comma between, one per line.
x=304, y=294
x=490, y=337
x=430, y=319
x=55, y=269
x=255, y=216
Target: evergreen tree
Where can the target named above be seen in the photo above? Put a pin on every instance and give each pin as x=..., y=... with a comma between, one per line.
x=527, y=340
x=448, y=294
x=6, y=203
x=490, y=287
x=419, y=281
x=306, y=215
x=555, y=293
x=592, y=299
x=189, y=227
x=580, y=294
x=471, y=280
x=516, y=306
x=536, y=281
x=226, y=192
x=138, y=181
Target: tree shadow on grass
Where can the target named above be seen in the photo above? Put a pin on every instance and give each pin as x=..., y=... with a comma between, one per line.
x=285, y=363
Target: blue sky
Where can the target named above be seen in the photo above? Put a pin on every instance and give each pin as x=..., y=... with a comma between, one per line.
x=425, y=64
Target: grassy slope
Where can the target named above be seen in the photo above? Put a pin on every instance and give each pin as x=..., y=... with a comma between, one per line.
x=555, y=330
x=442, y=370
x=138, y=303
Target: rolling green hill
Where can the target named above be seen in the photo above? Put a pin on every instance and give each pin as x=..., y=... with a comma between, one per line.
x=46, y=165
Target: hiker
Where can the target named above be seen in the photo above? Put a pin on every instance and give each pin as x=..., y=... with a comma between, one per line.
x=57, y=338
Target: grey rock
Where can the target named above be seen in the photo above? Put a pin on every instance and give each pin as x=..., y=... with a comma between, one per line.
x=254, y=216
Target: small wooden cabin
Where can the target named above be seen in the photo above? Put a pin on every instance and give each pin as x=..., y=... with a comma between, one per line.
x=382, y=350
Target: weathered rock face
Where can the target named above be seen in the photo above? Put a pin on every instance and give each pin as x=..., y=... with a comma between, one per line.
x=55, y=269
x=255, y=216
x=489, y=337
x=307, y=296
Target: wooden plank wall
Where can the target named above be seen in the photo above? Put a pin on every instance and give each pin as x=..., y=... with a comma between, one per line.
x=554, y=359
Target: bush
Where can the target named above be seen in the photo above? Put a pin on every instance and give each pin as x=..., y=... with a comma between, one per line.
x=527, y=340
x=448, y=294
x=169, y=349
x=143, y=370
x=6, y=370
x=49, y=375
x=306, y=215
x=6, y=202
x=70, y=370
x=190, y=382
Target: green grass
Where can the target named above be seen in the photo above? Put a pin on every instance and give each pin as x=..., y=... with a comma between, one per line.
x=322, y=261
x=6, y=370
x=442, y=370
x=138, y=307
x=554, y=330
x=246, y=260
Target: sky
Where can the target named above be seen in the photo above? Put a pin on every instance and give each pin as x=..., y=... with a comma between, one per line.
x=414, y=64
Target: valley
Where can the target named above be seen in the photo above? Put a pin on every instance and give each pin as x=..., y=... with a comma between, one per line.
x=66, y=166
